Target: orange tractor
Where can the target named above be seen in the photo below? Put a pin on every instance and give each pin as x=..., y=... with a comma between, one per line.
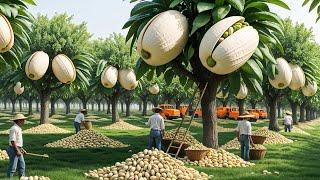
x=183, y=111
x=169, y=112
x=223, y=112
x=254, y=113
x=234, y=113
x=262, y=113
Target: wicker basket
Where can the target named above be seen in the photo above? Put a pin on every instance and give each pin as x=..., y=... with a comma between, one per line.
x=87, y=124
x=258, y=139
x=182, y=153
x=257, y=154
x=196, y=155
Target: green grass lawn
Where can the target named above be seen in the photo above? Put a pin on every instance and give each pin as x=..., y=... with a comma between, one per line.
x=299, y=160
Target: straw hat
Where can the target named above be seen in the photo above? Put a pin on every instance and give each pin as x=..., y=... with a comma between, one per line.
x=288, y=112
x=246, y=114
x=156, y=108
x=83, y=110
x=18, y=117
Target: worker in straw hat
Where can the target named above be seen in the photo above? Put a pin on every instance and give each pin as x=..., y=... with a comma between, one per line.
x=79, y=118
x=14, y=150
x=288, y=122
x=156, y=124
x=244, y=132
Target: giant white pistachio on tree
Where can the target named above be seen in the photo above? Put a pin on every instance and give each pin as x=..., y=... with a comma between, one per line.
x=154, y=89
x=6, y=34
x=18, y=89
x=63, y=69
x=310, y=89
x=37, y=65
x=284, y=75
x=243, y=91
x=163, y=38
x=298, y=77
x=227, y=45
x=109, y=77
x=127, y=79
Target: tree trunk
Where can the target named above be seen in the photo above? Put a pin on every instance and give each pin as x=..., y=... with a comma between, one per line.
x=20, y=104
x=209, y=119
x=273, y=124
x=5, y=104
x=103, y=106
x=67, y=102
x=114, y=102
x=279, y=110
x=294, y=112
x=44, y=105
x=253, y=104
x=92, y=106
x=240, y=103
x=30, y=106
x=122, y=107
x=13, y=102
x=84, y=103
x=140, y=106
x=53, y=108
x=224, y=103
x=108, y=108
x=37, y=105
x=128, y=102
x=99, y=105
x=145, y=104
x=302, y=112
x=178, y=103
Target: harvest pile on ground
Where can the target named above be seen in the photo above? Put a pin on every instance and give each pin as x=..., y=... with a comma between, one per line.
x=121, y=125
x=217, y=158
x=92, y=117
x=297, y=130
x=149, y=164
x=86, y=139
x=46, y=129
x=3, y=155
x=51, y=120
x=57, y=116
x=34, y=178
x=272, y=138
x=189, y=139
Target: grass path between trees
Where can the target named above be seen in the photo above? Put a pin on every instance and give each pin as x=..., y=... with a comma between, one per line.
x=299, y=160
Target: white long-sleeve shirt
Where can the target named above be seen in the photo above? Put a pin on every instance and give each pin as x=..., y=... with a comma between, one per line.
x=79, y=118
x=156, y=122
x=287, y=120
x=15, y=134
x=244, y=127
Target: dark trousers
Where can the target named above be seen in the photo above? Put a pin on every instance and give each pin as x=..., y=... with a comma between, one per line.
x=245, y=146
x=155, y=138
x=77, y=126
x=14, y=163
x=287, y=128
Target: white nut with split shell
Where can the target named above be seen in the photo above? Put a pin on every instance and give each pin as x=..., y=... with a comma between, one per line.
x=233, y=52
x=243, y=91
x=37, y=65
x=127, y=79
x=18, y=89
x=63, y=69
x=154, y=89
x=109, y=77
x=163, y=38
x=310, y=89
x=298, y=77
x=6, y=34
x=284, y=75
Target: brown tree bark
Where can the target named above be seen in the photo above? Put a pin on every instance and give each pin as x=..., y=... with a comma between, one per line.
x=144, y=107
x=44, y=106
x=30, y=106
x=20, y=104
x=240, y=103
x=273, y=121
x=294, y=107
x=114, y=102
x=302, y=112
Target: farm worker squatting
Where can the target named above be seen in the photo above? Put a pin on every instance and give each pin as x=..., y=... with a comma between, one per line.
x=288, y=122
x=14, y=150
x=79, y=118
x=156, y=124
x=244, y=132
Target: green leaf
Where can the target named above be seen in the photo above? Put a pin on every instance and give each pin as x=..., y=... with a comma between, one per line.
x=201, y=20
x=235, y=81
x=29, y=2
x=150, y=75
x=143, y=7
x=220, y=12
x=251, y=67
x=175, y=3
x=267, y=54
x=190, y=52
x=141, y=68
x=204, y=6
x=134, y=19
x=219, y=2
x=264, y=16
x=314, y=4
x=253, y=85
x=279, y=3
x=305, y=2
x=258, y=53
x=237, y=4
x=168, y=76
x=183, y=80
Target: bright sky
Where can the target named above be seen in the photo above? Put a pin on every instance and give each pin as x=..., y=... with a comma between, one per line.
x=107, y=16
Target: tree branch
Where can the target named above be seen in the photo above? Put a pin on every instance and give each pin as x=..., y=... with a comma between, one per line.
x=56, y=87
x=183, y=71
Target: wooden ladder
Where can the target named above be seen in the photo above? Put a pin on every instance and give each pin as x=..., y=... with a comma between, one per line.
x=171, y=145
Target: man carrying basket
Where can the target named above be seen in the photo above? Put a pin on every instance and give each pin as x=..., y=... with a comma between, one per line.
x=79, y=118
x=156, y=124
